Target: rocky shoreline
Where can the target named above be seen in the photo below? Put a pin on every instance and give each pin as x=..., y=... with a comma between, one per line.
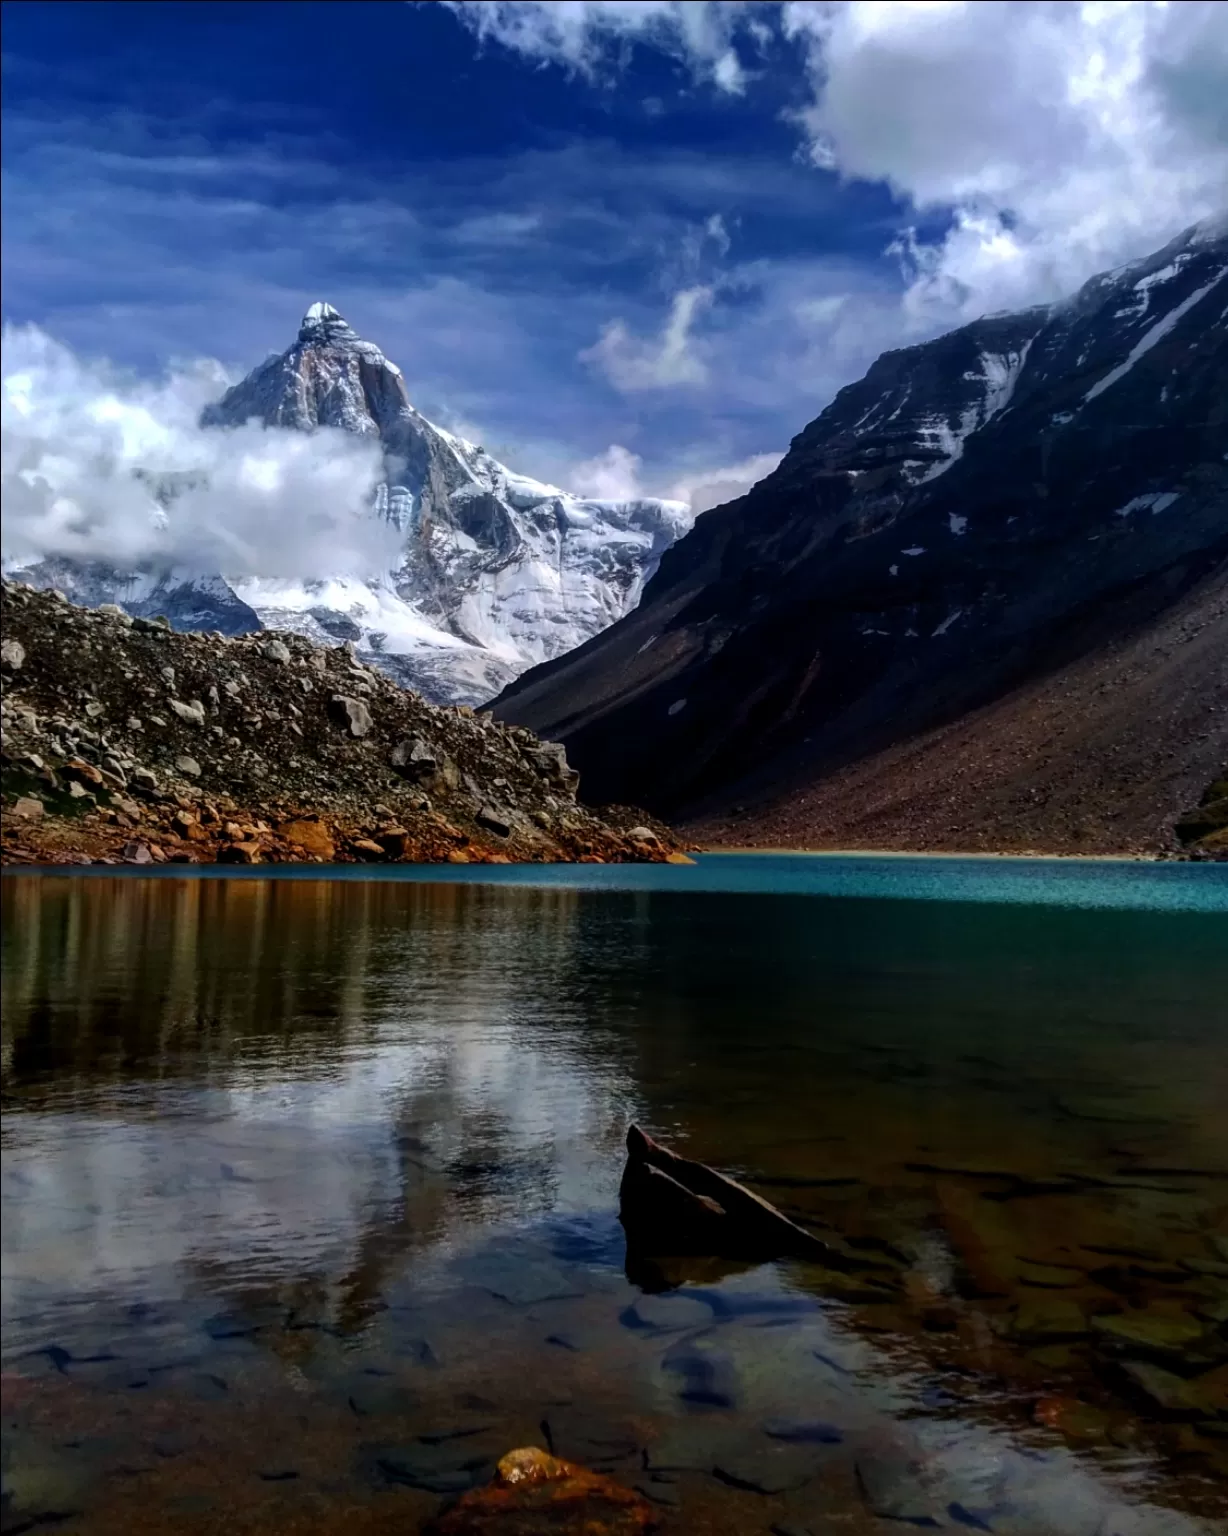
x=125, y=742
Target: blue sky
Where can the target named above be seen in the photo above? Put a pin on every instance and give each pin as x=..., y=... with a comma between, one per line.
x=590, y=234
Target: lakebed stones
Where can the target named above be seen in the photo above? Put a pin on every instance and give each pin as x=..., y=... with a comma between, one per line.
x=534, y=1492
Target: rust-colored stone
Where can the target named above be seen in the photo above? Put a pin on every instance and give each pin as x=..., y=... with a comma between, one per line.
x=239, y=853
x=311, y=836
x=534, y=1494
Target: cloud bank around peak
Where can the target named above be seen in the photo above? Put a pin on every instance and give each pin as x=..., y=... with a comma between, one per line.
x=85, y=450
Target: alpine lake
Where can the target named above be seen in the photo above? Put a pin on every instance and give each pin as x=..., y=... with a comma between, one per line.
x=310, y=1193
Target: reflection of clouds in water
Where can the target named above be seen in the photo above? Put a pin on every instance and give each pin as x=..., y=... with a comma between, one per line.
x=430, y=1089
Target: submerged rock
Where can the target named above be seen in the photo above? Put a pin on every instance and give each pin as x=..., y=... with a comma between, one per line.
x=533, y=1493
x=671, y=1205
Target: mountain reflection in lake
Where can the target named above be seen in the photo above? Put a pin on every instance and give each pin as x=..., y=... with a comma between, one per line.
x=310, y=1200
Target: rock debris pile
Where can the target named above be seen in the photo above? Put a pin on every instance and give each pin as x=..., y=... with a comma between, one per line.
x=124, y=741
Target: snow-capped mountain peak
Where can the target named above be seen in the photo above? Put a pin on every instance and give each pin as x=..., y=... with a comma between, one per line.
x=498, y=572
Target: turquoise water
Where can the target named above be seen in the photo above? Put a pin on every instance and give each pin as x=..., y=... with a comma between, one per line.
x=1115, y=884
x=310, y=1192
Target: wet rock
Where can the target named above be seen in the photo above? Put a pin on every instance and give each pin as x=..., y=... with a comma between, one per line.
x=661, y=1215
x=522, y=1282
x=767, y=1469
x=239, y=853
x=1151, y=1331
x=1048, y=1276
x=1078, y=1421
x=193, y=713
x=396, y=843
x=668, y=1313
x=803, y=1431
x=311, y=836
x=136, y=853
x=12, y=655
x=896, y=1484
x=1176, y=1396
x=366, y=849
x=533, y=1492
x=1049, y=1318
x=705, y=1372
x=583, y=1437
x=350, y=713
x=448, y=1467
x=671, y=1205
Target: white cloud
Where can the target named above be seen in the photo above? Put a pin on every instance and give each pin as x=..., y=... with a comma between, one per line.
x=617, y=475
x=1065, y=137
x=586, y=35
x=252, y=501
x=1062, y=136
x=633, y=363
x=612, y=476
x=712, y=487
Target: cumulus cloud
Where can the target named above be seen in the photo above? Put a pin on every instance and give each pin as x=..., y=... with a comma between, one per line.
x=97, y=466
x=611, y=476
x=585, y=35
x=618, y=475
x=634, y=363
x=1064, y=138
x=1058, y=138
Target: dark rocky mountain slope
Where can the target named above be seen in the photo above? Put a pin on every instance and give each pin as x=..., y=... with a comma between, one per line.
x=977, y=514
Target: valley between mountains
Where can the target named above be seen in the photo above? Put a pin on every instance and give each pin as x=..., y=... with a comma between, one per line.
x=981, y=605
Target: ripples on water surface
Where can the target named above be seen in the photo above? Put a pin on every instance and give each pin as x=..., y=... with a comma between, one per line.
x=310, y=1193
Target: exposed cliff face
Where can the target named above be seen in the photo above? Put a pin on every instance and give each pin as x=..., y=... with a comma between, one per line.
x=977, y=511
x=497, y=571
x=123, y=741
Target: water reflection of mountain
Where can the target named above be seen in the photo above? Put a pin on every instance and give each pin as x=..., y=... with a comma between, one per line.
x=299, y=1075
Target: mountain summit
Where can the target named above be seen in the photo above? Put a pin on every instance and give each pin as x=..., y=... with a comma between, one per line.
x=498, y=572
x=983, y=600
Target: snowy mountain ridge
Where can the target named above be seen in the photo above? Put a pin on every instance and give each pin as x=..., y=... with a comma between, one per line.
x=496, y=571
x=499, y=571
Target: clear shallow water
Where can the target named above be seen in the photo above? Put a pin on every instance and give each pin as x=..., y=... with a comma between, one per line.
x=304, y=1177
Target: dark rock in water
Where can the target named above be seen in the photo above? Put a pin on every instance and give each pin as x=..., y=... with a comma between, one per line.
x=671, y=1205
x=448, y=1467
x=533, y=1493
x=803, y=1431
x=767, y=1469
x=707, y=1376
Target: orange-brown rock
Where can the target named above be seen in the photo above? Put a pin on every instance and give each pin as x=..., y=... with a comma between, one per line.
x=366, y=849
x=239, y=853
x=534, y=1494
x=311, y=836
